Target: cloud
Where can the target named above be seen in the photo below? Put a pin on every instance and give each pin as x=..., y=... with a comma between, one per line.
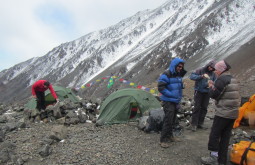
x=57, y=17
x=22, y=35
x=31, y=28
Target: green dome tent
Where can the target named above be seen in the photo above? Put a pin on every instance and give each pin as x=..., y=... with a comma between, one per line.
x=117, y=107
x=62, y=93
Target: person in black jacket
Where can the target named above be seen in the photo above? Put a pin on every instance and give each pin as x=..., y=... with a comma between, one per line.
x=170, y=85
x=201, y=77
x=225, y=92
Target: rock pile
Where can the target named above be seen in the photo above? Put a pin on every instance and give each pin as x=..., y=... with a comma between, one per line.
x=153, y=121
x=16, y=117
x=65, y=112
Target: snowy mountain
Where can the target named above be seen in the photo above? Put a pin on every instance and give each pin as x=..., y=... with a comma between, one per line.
x=140, y=47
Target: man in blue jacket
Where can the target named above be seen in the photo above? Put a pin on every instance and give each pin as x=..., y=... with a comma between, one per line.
x=201, y=94
x=170, y=85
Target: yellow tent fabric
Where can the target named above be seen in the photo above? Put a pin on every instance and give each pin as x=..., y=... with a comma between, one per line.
x=245, y=110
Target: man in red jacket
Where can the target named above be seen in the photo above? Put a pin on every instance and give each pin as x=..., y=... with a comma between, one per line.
x=38, y=89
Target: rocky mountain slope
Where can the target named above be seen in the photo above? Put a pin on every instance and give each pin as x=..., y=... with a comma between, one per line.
x=140, y=47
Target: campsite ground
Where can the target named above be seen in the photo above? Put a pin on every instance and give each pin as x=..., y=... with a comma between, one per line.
x=87, y=144
x=116, y=144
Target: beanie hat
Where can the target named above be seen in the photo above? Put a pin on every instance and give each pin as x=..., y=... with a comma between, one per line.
x=221, y=66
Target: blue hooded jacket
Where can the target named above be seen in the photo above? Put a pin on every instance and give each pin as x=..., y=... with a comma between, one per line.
x=170, y=83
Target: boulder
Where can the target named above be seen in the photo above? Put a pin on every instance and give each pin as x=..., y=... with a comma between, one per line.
x=58, y=133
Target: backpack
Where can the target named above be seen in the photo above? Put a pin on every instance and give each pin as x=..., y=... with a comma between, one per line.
x=243, y=153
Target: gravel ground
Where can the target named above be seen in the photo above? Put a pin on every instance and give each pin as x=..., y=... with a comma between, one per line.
x=115, y=144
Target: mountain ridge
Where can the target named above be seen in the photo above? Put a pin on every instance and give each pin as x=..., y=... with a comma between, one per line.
x=139, y=48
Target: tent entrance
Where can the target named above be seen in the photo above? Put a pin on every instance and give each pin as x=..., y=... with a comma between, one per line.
x=134, y=111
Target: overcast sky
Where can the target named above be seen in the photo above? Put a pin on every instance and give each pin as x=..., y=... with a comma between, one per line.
x=31, y=28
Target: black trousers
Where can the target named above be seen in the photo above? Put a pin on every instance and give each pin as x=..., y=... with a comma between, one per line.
x=220, y=136
x=200, y=108
x=40, y=100
x=170, y=110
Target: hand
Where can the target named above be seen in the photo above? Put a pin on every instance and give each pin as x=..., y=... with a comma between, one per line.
x=184, y=85
x=210, y=83
x=57, y=100
x=206, y=76
x=34, y=96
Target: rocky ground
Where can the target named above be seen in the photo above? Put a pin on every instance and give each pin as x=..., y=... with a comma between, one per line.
x=116, y=144
x=86, y=144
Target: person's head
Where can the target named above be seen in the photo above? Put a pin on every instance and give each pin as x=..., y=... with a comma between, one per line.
x=46, y=84
x=179, y=67
x=176, y=65
x=210, y=66
x=221, y=67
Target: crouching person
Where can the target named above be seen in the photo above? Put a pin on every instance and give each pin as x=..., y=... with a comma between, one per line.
x=170, y=85
x=225, y=91
x=38, y=89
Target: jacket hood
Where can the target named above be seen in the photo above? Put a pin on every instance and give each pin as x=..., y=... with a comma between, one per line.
x=222, y=66
x=174, y=63
x=211, y=63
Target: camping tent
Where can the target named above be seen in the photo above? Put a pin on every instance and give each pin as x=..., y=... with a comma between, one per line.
x=117, y=107
x=62, y=93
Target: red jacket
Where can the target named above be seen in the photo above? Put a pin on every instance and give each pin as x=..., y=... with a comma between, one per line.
x=39, y=86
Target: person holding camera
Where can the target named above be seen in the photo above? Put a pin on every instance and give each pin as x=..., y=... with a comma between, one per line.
x=201, y=94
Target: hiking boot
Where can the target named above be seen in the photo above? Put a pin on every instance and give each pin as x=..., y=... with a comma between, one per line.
x=201, y=127
x=209, y=160
x=37, y=119
x=192, y=128
x=45, y=120
x=174, y=139
x=165, y=144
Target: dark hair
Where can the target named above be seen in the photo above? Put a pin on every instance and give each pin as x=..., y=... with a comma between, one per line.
x=47, y=83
